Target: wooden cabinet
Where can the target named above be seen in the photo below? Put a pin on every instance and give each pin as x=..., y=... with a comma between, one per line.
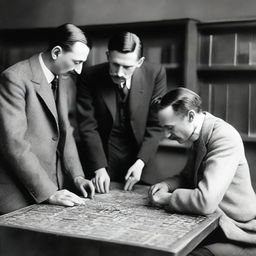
x=169, y=42
x=217, y=60
x=165, y=42
x=227, y=73
x=172, y=43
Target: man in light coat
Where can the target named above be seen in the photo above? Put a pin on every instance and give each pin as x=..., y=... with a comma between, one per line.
x=37, y=149
x=215, y=178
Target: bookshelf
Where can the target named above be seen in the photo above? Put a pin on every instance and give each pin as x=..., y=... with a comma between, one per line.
x=216, y=60
x=165, y=42
x=226, y=73
x=172, y=43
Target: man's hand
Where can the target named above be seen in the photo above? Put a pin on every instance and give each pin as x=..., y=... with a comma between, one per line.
x=65, y=198
x=101, y=181
x=157, y=187
x=133, y=175
x=158, y=194
x=84, y=185
x=160, y=198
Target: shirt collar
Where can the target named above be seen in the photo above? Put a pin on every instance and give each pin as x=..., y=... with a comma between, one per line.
x=48, y=74
x=127, y=83
x=199, y=127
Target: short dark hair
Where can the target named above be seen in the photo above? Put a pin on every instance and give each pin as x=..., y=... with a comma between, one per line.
x=126, y=42
x=182, y=100
x=66, y=35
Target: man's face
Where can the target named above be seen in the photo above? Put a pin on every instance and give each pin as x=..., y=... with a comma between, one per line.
x=123, y=65
x=176, y=126
x=72, y=61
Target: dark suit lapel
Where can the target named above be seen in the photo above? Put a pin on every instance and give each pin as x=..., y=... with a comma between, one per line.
x=42, y=88
x=200, y=153
x=136, y=91
x=109, y=95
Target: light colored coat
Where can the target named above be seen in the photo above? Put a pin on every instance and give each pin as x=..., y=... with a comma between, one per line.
x=216, y=177
x=31, y=129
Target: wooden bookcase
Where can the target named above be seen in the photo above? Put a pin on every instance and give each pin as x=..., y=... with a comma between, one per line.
x=217, y=60
x=226, y=73
x=226, y=77
x=165, y=42
x=172, y=43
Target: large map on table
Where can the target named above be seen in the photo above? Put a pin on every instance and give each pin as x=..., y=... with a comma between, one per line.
x=119, y=216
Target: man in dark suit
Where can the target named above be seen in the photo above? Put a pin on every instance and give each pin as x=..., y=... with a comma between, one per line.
x=37, y=148
x=118, y=128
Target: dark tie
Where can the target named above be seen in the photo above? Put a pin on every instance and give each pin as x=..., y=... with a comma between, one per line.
x=123, y=91
x=55, y=85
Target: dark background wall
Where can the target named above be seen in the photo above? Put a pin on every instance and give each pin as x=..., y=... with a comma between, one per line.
x=48, y=13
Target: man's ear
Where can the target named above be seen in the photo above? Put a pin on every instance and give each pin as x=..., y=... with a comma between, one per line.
x=191, y=115
x=55, y=52
x=140, y=62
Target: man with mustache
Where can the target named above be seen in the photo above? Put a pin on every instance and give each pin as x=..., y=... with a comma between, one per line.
x=38, y=154
x=118, y=128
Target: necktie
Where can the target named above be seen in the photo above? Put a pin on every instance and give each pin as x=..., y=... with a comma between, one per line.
x=55, y=85
x=123, y=91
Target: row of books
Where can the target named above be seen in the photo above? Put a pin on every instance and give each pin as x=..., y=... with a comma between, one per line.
x=228, y=49
x=233, y=102
x=167, y=54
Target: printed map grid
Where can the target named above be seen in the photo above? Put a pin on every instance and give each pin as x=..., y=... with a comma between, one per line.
x=120, y=216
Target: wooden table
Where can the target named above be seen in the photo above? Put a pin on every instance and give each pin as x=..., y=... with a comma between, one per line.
x=119, y=223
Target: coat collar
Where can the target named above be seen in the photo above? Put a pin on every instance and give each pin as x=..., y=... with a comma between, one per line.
x=203, y=140
x=108, y=93
x=137, y=89
x=42, y=87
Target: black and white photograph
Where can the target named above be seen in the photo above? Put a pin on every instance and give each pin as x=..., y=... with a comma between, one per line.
x=127, y=128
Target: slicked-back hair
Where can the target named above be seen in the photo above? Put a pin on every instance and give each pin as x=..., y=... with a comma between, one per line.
x=126, y=42
x=182, y=100
x=66, y=36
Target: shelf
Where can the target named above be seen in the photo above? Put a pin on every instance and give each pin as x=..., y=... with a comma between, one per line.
x=173, y=144
x=171, y=65
x=227, y=68
x=247, y=138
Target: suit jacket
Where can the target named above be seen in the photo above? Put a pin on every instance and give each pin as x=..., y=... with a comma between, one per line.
x=217, y=175
x=97, y=111
x=31, y=130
